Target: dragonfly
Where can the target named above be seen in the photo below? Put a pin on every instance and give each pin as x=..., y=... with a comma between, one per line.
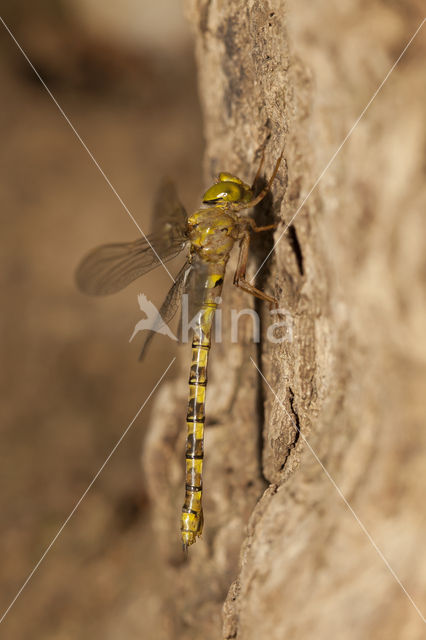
x=208, y=236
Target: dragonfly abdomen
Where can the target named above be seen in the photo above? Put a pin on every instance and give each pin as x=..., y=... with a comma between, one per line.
x=192, y=510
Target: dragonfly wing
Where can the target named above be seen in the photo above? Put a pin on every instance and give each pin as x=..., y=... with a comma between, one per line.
x=111, y=267
x=170, y=305
x=191, y=283
x=169, y=215
x=194, y=290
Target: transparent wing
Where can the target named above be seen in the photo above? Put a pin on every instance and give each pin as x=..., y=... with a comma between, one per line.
x=194, y=289
x=191, y=280
x=170, y=305
x=111, y=267
x=169, y=214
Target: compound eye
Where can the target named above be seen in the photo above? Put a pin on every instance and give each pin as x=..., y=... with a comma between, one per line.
x=228, y=177
x=223, y=192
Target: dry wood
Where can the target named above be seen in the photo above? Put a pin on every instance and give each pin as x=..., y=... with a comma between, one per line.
x=351, y=272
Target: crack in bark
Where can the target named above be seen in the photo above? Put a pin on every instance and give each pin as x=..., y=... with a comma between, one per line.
x=260, y=406
x=297, y=249
x=296, y=422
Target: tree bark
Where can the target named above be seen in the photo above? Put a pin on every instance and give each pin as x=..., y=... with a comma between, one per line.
x=300, y=468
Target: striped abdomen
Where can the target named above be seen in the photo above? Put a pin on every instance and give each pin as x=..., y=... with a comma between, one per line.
x=192, y=511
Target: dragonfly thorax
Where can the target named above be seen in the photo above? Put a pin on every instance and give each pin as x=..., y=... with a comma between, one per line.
x=212, y=232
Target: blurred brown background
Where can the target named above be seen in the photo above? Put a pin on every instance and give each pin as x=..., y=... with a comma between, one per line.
x=71, y=383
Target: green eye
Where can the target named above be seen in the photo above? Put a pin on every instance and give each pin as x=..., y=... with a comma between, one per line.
x=229, y=177
x=224, y=192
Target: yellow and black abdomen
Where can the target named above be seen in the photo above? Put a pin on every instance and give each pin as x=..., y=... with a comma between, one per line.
x=192, y=510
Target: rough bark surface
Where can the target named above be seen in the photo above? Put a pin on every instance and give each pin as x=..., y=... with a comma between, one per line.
x=279, y=538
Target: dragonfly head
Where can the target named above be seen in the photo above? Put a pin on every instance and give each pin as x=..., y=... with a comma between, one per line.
x=228, y=188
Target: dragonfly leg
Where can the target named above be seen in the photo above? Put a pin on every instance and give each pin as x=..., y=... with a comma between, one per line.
x=257, y=229
x=262, y=158
x=240, y=274
x=237, y=206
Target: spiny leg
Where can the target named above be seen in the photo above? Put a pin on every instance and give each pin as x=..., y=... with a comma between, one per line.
x=240, y=273
x=237, y=206
x=262, y=158
x=257, y=229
